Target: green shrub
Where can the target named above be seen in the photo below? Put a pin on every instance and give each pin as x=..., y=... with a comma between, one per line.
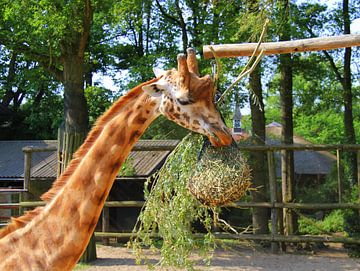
x=352, y=225
x=324, y=192
x=333, y=222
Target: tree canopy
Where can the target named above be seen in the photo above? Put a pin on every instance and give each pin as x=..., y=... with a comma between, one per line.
x=50, y=51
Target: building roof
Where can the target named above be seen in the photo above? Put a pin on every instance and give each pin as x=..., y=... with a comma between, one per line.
x=44, y=164
x=305, y=162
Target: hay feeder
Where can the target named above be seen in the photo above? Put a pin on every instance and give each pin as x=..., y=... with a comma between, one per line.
x=222, y=176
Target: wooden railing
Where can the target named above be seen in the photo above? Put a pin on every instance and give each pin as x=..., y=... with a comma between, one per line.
x=274, y=205
x=274, y=237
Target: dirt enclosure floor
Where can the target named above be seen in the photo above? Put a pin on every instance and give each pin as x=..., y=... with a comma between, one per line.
x=239, y=258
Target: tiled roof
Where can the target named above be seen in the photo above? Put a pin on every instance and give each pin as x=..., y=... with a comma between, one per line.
x=305, y=162
x=44, y=164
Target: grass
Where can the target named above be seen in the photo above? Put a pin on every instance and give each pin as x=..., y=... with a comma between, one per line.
x=82, y=266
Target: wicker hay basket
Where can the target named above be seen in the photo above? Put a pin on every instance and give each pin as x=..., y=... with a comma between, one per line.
x=222, y=176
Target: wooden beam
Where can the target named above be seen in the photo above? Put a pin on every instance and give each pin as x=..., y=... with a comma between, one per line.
x=283, y=47
x=290, y=205
x=260, y=237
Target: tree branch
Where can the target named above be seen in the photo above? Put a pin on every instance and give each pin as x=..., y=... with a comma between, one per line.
x=329, y=58
x=22, y=47
x=44, y=60
x=167, y=15
x=182, y=25
x=87, y=20
x=334, y=67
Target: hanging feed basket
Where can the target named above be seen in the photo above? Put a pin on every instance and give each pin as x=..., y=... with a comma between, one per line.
x=222, y=176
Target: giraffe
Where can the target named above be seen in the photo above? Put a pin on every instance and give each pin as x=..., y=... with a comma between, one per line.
x=53, y=237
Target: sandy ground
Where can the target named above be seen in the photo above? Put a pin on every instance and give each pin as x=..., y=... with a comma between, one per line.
x=241, y=258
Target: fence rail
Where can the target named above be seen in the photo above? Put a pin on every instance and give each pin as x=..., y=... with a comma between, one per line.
x=252, y=237
x=274, y=205
x=278, y=205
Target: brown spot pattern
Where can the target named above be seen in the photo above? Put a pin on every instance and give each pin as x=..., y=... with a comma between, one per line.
x=128, y=114
x=186, y=117
x=141, y=120
x=196, y=122
x=135, y=135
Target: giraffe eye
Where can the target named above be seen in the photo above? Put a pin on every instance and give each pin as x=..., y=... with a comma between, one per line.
x=184, y=101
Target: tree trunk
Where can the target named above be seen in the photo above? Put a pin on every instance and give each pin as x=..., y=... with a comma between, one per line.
x=348, y=97
x=76, y=120
x=286, y=101
x=182, y=24
x=75, y=107
x=9, y=95
x=260, y=216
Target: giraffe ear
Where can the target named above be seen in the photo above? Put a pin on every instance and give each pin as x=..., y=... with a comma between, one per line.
x=154, y=89
x=158, y=72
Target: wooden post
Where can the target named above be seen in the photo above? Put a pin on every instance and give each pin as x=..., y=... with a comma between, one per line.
x=339, y=175
x=60, y=157
x=24, y=196
x=105, y=225
x=283, y=47
x=287, y=191
x=273, y=198
x=280, y=218
x=27, y=168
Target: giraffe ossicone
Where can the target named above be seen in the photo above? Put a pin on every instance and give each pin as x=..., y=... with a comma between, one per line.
x=54, y=237
x=188, y=99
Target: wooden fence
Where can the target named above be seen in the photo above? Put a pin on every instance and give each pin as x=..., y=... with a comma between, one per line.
x=275, y=237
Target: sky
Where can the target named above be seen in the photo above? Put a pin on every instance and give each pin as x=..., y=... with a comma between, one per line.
x=107, y=81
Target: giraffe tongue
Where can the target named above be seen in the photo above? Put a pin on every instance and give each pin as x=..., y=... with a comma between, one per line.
x=215, y=141
x=220, y=138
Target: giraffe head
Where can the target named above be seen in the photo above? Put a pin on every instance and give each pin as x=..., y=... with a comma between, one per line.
x=188, y=99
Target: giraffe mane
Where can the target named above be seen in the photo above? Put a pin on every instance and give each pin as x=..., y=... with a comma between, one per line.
x=20, y=222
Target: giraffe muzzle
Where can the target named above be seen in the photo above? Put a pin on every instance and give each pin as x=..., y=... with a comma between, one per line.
x=220, y=137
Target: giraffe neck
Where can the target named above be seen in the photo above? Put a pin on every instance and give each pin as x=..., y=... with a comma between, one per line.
x=56, y=237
